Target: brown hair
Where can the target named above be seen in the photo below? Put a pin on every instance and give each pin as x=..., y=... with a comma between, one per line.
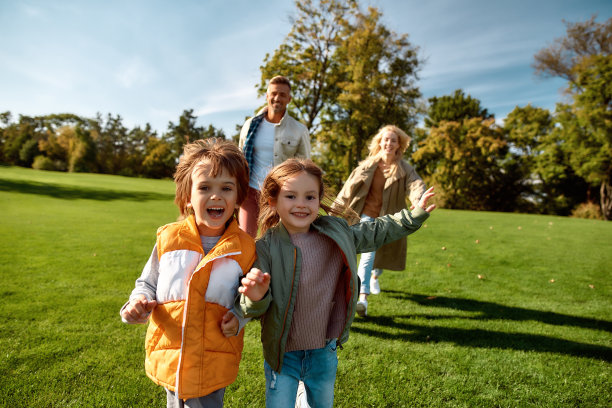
x=274, y=181
x=279, y=79
x=222, y=155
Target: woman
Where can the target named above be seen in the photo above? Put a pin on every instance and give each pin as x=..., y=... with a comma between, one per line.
x=378, y=186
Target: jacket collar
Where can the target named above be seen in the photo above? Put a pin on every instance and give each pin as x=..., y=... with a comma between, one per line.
x=227, y=243
x=263, y=111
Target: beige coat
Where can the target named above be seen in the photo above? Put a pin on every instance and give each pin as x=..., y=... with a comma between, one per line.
x=405, y=183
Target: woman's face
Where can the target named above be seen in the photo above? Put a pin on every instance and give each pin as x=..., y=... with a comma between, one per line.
x=389, y=143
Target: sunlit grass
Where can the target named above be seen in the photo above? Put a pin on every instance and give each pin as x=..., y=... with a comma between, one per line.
x=494, y=309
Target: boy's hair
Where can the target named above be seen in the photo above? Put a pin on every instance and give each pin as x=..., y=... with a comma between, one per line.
x=222, y=155
x=279, y=79
x=274, y=182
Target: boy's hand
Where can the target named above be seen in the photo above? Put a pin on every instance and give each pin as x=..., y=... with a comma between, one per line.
x=423, y=201
x=255, y=284
x=138, y=309
x=229, y=324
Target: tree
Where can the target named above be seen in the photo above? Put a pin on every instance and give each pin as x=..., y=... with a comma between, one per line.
x=454, y=108
x=186, y=131
x=464, y=161
x=584, y=58
x=583, y=40
x=377, y=79
x=350, y=76
x=306, y=57
x=550, y=184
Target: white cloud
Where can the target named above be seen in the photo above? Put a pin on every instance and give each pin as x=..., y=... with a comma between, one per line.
x=135, y=72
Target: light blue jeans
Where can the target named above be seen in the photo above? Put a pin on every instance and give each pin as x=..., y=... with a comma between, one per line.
x=316, y=368
x=365, y=265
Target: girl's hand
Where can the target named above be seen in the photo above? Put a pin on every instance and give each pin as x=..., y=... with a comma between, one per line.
x=255, y=284
x=138, y=309
x=426, y=196
x=229, y=324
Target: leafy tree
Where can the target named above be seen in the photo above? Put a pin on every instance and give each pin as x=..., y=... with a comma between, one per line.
x=584, y=58
x=306, y=57
x=454, y=108
x=463, y=160
x=549, y=182
x=350, y=76
x=377, y=80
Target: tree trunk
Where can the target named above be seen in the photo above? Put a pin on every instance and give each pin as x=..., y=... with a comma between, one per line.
x=605, y=192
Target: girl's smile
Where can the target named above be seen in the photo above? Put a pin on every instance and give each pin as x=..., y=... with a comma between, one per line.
x=298, y=202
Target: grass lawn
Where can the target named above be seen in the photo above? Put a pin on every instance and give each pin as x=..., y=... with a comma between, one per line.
x=493, y=309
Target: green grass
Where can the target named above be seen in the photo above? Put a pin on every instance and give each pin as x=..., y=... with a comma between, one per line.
x=534, y=330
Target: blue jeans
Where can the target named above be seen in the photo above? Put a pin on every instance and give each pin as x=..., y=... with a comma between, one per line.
x=365, y=265
x=214, y=399
x=316, y=368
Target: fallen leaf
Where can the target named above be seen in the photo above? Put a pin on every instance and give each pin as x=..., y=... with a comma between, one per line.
x=481, y=277
x=444, y=248
x=94, y=254
x=592, y=286
x=478, y=241
x=552, y=281
x=448, y=265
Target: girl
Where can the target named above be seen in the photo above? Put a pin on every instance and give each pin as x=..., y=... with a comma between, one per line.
x=380, y=186
x=189, y=284
x=305, y=283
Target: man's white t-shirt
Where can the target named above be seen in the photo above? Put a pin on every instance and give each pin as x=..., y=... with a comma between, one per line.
x=263, y=154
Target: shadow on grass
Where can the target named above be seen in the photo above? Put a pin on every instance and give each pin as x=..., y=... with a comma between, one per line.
x=76, y=192
x=494, y=311
x=486, y=338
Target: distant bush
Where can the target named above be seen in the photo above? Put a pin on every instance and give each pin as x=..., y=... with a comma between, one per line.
x=588, y=210
x=43, y=163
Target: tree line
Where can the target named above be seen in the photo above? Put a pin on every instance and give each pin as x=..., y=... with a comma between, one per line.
x=350, y=76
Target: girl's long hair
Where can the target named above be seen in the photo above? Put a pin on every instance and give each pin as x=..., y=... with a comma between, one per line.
x=274, y=181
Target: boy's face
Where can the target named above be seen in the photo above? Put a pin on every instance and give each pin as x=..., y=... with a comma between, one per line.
x=298, y=202
x=213, y=198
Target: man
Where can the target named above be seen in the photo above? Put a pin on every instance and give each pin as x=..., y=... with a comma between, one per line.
x=268, y=139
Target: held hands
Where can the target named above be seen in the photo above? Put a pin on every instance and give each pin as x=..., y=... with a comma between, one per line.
x=255, y=284
x=138, y=309
x=423, y=201
x=229, y=324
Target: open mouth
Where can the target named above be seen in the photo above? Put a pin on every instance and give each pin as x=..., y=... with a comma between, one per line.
x=215, y=212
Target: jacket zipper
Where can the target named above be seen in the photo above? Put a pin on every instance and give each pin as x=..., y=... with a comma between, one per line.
x=280, y=352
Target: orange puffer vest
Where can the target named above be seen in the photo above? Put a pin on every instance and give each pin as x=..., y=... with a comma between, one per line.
x=186, y=351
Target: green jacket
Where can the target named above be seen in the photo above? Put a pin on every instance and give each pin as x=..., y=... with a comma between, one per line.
x=282, y=260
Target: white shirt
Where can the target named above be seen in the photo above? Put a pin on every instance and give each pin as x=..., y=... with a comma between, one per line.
x=263, y=153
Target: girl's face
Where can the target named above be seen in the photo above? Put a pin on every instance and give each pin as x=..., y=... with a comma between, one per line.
x=213, y=198
x=297, y=203
x=389, y=143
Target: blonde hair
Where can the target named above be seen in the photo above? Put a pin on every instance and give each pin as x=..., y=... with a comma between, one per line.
x=222, y=155
x=375, y=149
x=274, y=181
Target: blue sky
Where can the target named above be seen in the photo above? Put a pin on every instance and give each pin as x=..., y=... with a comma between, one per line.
x=148, y=60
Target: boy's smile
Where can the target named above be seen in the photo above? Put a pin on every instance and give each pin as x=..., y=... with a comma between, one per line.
x=213, y=199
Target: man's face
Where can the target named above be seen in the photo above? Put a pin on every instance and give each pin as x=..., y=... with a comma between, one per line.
x=278, y=97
